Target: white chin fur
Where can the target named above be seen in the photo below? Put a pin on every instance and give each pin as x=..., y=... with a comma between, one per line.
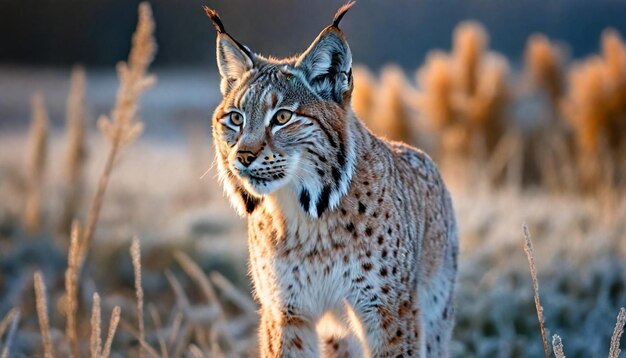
x=260, y=189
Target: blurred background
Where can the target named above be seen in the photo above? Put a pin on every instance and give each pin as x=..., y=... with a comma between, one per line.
x=522, y=104
x=64, y=32
x=44, y=38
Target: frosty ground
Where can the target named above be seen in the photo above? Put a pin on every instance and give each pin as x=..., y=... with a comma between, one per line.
x=164, y=191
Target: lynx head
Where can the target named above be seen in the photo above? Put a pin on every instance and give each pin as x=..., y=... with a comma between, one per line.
x=283, y=123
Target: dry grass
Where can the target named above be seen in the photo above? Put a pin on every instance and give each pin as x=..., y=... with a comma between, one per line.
x=595, y=108
x=528, y=248
x=36, y=164
x=6, y=321
x=42, y=313
x=95, y=342
x=383, y=104
x=76, y=151
x=363, y=93
x=11, y=334
x=463, y=94
x=390, y=115
x=136, y=255
x=71, y=289
x=617, y=334
x=544, y=68
x=123, y=127
x=557, y=346
x=113, y=322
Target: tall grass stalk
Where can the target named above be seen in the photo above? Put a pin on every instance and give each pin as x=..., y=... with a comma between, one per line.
x=528, y=248
x=122, y=127
x=6, y=321
x=544, y=68
x=156, y=321
x=557, y=346
x=95, y=343
x=135, y=253
x=195, y=272
x=42, y=313
x=617, y=334
x=71, y=289
x=6, y=351
x=113, y=322
x=76, y=151
x=38, y=143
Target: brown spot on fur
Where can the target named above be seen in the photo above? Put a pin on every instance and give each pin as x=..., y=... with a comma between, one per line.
x=297, y=342
x=404, y=309
x=385, y=317
x=294, y=321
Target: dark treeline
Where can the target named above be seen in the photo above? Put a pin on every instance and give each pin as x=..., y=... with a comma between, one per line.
x=64, y=32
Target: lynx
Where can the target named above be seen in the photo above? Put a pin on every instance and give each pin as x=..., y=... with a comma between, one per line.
x=352, y=238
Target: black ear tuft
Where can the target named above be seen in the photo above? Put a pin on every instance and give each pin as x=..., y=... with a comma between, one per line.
x=341, y=12
x=215, y=18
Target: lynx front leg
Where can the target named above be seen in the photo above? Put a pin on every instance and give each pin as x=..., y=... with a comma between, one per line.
x=385, y=329
x=285, y=335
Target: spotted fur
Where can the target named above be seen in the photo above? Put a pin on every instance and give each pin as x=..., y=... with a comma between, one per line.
x=353, y=241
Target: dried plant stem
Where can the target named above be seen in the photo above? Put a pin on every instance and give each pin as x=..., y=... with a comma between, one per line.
x=195, y=272
x=195, y=351
x=76, y=149
x=181, y=297
x=115, y=320
x=71, y=289
x=42, y=313
x=176, y=324
x=9, y=341
x=6, y=321
x=95, y=343
x=96, y=203
x=617, y=334
x=528, y=248
x=557, y=346
x=135, y=253
x=38, y=143
x=122, y=127
x=233, y=294
x=544, y=68
x=130, y=329
x=156, y=320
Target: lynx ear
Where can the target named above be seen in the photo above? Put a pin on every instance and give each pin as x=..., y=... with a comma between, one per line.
x=327, y=63
x=233, y=58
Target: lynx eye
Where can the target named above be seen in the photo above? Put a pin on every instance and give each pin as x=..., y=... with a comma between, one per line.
x=283, y=116
x=236, y=118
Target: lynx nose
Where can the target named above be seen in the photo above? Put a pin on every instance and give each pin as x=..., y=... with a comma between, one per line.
x=246, y=157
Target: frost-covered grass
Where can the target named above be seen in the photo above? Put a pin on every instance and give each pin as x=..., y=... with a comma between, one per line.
x=156, y=194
